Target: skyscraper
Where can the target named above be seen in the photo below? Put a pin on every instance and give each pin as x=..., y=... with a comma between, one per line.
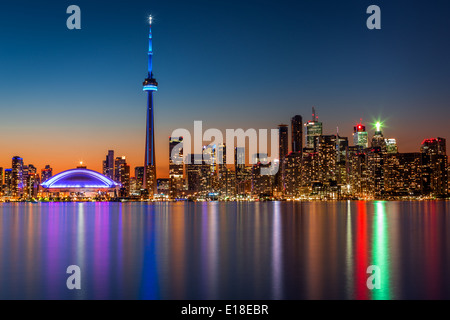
x=197, y=175
x=283, y=151
x=283, y=140
x=297, y=133
x=175, y=168
x=239, y=169
x=122, y=175
x=46, y=173
x=360, y=136
x=434, y=166
x=378, y=139
x=261, y=184
x=292, y=173
x=139, y=174
x=8, y=175
x=313, y=129
x=150, y=85
x=108, y=165
x=17, y=177
x=1, y=177
x=433, y=146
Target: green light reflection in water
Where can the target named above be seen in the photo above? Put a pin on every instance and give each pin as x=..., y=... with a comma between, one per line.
x=380, y=251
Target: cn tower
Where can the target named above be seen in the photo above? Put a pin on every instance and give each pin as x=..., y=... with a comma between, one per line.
x=150, y=85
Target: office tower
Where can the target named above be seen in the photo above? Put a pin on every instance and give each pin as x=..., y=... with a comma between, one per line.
x=326, y=158
x=434, y=146
x=25, y=180
x=283, y=151
x=378, y=139
x=150, y=85
x=326, y=183
x=434, y=167
x=239, y=170
x=297, y=133
x=195, y=172
x=17, y=177
x=225, y=177
x=30, y=180
x=46, y=173
x=283, y=140
x=360, y=136
x=292, y=174
x=108, y=165
x=391, y=146
x=139, y=174
x=209, y=168
x=122, y=175
x=313, y=129
x=375, y=168
x=342, y=163
x=134, y=191
x=359, y=173
x=8, y=182
x=262, y=185
x=309, y=170
x=175, y=167
x=403, y=174
x=32, y=183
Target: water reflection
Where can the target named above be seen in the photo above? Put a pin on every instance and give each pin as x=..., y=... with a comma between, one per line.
x=273, y=250
x=380, y=251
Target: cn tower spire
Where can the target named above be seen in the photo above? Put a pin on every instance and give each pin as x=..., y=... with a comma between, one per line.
x=150, y=48
x=150, y=85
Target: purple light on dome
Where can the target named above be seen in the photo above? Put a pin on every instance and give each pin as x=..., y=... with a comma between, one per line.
x=79, y=178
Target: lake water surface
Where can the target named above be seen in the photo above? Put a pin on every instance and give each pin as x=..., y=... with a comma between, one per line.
x=218, y=250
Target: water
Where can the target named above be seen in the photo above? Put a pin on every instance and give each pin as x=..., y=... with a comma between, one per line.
x=269, y=250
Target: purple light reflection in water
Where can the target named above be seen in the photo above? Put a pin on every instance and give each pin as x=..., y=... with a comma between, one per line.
x=222, y=250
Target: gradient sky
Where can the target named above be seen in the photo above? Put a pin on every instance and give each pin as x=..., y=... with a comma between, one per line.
x=70, y=95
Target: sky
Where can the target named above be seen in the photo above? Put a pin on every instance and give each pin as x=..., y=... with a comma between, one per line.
x=71, y=95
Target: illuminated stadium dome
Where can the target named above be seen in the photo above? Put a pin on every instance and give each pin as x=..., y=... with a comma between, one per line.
x=79, y=180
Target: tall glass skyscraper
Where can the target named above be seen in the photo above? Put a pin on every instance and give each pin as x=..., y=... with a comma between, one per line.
x=175, y=169
x=297, y=133
x=283, y=140
x=360, y=136
x=17, y=177
x=313, y=129
x=108, y=165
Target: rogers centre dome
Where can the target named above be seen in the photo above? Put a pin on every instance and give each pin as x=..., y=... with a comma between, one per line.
x=80, y=179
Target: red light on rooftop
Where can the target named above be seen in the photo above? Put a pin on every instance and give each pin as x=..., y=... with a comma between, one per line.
x=429, y=140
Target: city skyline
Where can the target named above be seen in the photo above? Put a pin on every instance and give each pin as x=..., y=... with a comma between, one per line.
x=194, y=83
x=100, y=166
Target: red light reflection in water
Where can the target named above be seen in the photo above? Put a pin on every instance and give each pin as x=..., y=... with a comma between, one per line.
x=361, y=255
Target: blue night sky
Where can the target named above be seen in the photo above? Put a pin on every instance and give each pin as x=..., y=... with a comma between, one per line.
x=70, y=95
